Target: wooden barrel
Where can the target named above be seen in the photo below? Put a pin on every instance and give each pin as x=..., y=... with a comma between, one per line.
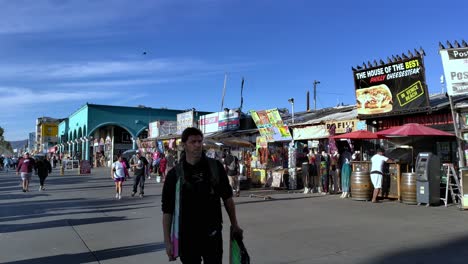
x=408, y=188
x=361, y=186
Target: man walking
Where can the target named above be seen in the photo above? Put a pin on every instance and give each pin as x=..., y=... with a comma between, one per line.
x=376, y=173
x=231, y=164
x=25, y=167
x=192, y=217
x=140, y=168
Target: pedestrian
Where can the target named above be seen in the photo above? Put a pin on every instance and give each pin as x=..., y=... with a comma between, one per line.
x=25, y=167
x=170, y=162
x=346, y=158
x=231, y=164
x=311, y=172
x=140, y=168
x=118, y=174
x=376, y=173
x=162, y=166
x=7, y=163
x=42, y=168
x=191, y=205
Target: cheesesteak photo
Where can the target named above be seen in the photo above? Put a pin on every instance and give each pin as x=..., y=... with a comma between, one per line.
x=374, y=100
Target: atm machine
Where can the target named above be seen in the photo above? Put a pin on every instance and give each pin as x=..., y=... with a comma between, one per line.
x=427, y=179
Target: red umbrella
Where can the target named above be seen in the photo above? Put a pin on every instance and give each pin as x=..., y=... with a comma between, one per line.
x=413, y=129
x=359, y=134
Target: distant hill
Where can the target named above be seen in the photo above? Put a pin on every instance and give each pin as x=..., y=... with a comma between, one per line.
x=19, y=144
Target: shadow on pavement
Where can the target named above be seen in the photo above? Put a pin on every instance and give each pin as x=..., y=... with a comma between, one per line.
x=454, y=251
x=99, y=255
x=8, y=228
x=39, y=209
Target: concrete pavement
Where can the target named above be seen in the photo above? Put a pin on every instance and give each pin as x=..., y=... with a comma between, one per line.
x=78, y=220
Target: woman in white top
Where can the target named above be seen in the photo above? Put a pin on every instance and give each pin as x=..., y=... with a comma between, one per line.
x=118, y=174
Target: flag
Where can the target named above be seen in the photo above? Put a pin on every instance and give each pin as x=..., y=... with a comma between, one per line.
x=242, y=98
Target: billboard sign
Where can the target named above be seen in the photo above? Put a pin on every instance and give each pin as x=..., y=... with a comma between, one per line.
x=162, y=128
x=209, y=123
x=270, y=125
x=228, y=120
x=184, y=120
x=391, y=89
x=455, y=62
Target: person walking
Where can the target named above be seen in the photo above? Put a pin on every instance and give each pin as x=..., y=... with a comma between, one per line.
x=140, y=168
x=231, y=164
x=118, y=174
x=376, y=173
x=7, y=163
x=25, y=167
x=191, y=205
x=162, y=166
x=43, y=168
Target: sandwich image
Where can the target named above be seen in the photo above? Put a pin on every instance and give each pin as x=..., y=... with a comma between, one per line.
x=374, y=100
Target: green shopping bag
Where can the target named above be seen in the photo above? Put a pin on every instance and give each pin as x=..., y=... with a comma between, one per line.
x=238, y=252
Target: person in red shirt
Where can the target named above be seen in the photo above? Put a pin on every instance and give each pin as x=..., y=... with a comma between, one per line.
x=25, y=167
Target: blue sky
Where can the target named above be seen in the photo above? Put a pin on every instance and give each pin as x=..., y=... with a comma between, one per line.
x=57, y=55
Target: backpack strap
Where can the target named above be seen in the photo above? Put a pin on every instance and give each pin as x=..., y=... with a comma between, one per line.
x=213, y=164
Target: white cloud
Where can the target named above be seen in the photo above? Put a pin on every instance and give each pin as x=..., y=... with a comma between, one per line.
x=22, y=16
x=14, y=97
x=116, y=68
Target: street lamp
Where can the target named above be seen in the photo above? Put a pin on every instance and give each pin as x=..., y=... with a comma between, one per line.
x=291, y=101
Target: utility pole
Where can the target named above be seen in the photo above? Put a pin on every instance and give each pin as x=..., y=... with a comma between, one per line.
x=315, y=94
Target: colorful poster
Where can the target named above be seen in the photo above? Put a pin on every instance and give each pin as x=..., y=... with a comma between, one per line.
x=391, y=89
x=270, y=125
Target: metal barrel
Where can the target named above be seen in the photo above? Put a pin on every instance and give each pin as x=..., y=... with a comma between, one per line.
x=361, y=186
x=408, y=188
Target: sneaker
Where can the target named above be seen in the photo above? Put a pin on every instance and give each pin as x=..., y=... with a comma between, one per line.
x=120, y=197
x=24, y=190
x=116, y=196
x=133, y=194
x=141, y=195
x=40, y=188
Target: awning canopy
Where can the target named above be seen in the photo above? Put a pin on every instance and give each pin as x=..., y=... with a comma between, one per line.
x=310, y=132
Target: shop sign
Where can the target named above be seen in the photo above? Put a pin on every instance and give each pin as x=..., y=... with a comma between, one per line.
x=391, y=89
x=153, y=130
x=455, y=62
x=343, y=126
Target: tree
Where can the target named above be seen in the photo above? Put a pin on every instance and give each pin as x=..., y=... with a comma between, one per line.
x=5, y=146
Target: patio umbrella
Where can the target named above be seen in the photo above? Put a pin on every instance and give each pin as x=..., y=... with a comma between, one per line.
x=236, y=142
x=413, y=129
x=359, y=134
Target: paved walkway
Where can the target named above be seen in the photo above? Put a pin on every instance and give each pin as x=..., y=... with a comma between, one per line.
x=77, y=220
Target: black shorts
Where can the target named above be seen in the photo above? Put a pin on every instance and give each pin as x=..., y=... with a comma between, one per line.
x=208, y=248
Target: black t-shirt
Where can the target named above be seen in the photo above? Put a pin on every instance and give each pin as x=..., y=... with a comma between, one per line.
x=141, y=165
x=200, y=207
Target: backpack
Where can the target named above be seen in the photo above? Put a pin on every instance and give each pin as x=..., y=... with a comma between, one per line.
x=233, y=165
